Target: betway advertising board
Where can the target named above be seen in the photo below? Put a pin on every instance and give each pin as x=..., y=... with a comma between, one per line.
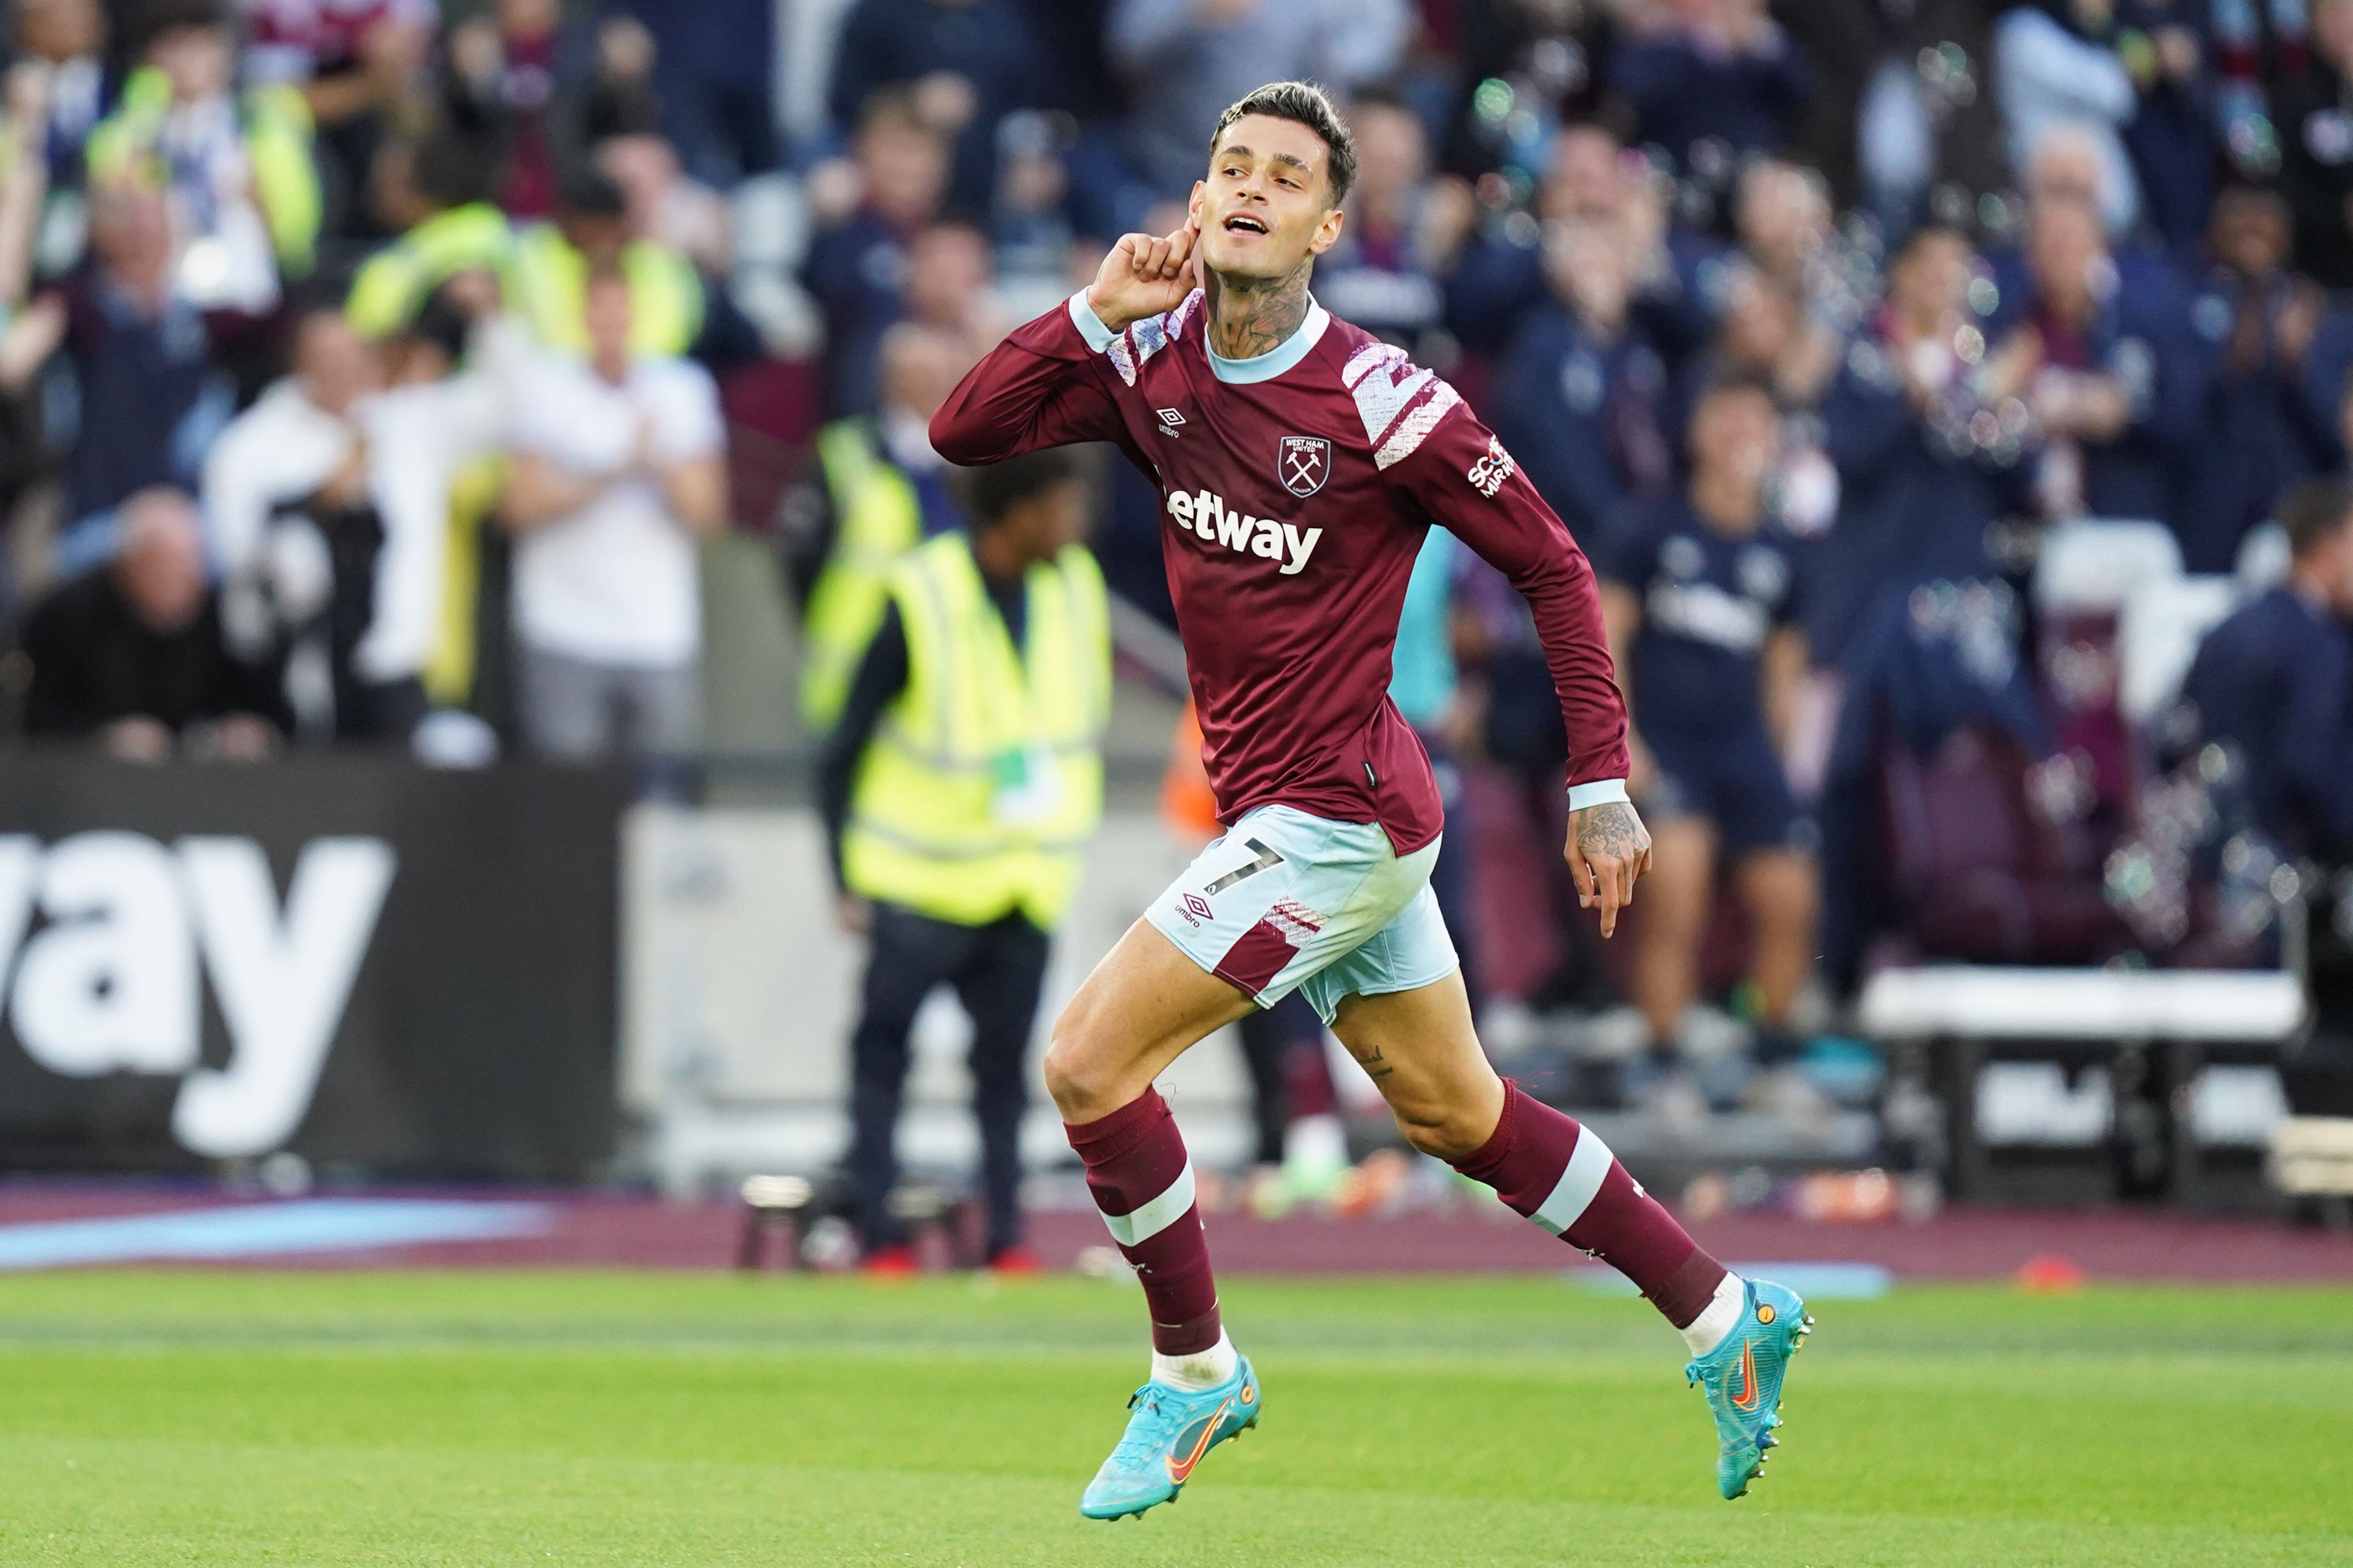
x=385, y=968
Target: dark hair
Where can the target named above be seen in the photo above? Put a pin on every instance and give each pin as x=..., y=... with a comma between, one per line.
x=991, y=493
x=179, y=15
x=589, y=191
x=1304, y=103
x=452, y=169
x=2314, y=512
x=1736, y=381
x=443, y=323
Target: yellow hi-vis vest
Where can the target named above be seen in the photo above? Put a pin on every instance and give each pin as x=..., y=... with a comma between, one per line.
x=394, y=284
x=550, y=293
x=985, y=778
x=877, y=520
x=278, y=138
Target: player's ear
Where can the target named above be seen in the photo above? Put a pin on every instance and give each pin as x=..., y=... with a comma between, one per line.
x=1327, y=233
x=1193, y=208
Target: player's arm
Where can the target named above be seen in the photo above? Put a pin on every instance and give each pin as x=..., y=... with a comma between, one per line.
x=1045, y=384
x=1621, y=618
x=1462, y=480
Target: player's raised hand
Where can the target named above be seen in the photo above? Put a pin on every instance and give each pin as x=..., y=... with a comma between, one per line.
x=1608, y=847
x=1143, y=275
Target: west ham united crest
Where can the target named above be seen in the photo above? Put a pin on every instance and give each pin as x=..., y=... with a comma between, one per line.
x=1302, y=463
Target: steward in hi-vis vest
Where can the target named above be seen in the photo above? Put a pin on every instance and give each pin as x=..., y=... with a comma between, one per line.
x=552, y=262
x=878, y=518
x=959, y=789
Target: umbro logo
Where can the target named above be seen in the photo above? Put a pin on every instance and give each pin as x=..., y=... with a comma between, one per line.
x=1195, y=908
x=1170, y=420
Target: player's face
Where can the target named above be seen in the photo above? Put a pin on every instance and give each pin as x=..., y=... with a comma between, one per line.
x=1267, y=204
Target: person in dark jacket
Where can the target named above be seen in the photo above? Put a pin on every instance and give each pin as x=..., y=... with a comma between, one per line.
x=2271, y=406
x=2273, y=682
x=1919, y=485
x=133, y=655
x=968, y=63
x=2316, y=145
x=1582, y=396
x=1726, y=75
x=2115, y=389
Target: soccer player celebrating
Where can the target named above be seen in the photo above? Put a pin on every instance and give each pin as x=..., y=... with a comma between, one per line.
x=1301, y=460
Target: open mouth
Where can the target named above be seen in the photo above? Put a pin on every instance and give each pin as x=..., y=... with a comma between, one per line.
x=1242, y=222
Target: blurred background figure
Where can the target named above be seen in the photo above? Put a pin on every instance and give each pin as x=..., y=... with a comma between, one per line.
x=131, y=655
x=957, y=788
x=617, y=473
x=1704, y=596
x=879, y=490
x=2273, y=681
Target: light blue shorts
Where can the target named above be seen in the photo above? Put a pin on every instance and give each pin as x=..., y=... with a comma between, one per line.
x=1287, y=901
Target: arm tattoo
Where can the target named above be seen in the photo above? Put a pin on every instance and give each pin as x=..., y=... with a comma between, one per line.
x=1248, y=316
x=1609, y=831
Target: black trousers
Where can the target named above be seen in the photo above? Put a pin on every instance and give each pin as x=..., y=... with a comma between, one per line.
x=997, y=971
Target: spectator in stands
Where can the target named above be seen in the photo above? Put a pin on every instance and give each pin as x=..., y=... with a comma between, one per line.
x=244, y=195
x=1190, y=59
x=967, y=64
x=710, y=67
x=667, y=206
x=133, y=655
x=2115, y=392
x=950, y=270
x=1715, y=74
x=349, y=59
x=1703, y=602
x=858, y=264
x=1922, y=477
x=150, y=398
x=878, y=491
x=1402, y=231
x=521, y=72
x=2172, y=135
x=299, y=481
x=2315, y=146
x=953, y=808
x=1787, y=235
x=2271, y=406
x=592, y=232
x=1592, y=179
x=62, y=43
x=1581, y=399
x=2049, y=71
x=617, y=470
x=300, y=436
x=2274, y=682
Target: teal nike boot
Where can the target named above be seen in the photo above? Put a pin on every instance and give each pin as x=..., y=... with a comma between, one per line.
x=1166, y=1436
x=1743, y=1380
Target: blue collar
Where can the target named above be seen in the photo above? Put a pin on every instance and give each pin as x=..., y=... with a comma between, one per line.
x=1276, y=360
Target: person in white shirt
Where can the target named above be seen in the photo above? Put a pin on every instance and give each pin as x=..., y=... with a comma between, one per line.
x=618, y=468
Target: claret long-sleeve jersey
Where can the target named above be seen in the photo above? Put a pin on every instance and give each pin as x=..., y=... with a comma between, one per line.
x=1296, y=488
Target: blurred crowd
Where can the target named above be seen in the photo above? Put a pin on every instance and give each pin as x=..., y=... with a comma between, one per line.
x=371, y=368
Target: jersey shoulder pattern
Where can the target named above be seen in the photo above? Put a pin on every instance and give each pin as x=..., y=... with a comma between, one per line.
x=1399, y=402
x=1147, y=337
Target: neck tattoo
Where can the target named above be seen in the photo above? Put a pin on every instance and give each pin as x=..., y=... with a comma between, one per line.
x=1248, y=316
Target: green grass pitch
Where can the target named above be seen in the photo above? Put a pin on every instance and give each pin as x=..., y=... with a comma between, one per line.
x=164, y=1417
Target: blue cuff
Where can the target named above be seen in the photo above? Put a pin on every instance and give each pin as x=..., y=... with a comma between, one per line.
x=1601, y=792
x=1082, y=316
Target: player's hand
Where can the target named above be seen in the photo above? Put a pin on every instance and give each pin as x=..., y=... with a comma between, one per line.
x=1608, y=847
x=1144, y=277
